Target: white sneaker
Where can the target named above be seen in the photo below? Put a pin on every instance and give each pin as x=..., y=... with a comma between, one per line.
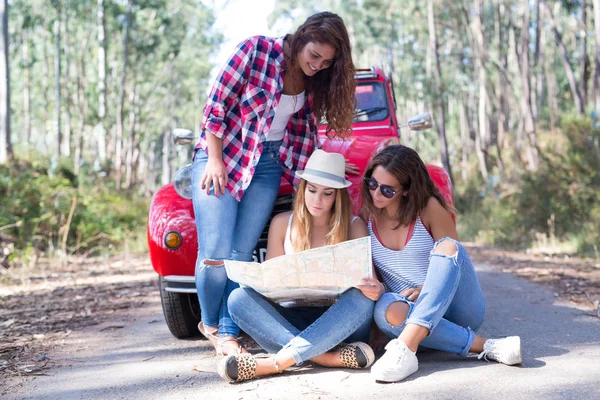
x=397, y=363
x=506, y=351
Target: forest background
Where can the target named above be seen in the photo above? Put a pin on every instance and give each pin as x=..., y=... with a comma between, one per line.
x=92, y=90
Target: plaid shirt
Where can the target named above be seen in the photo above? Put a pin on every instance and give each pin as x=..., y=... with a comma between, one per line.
x=241, y=107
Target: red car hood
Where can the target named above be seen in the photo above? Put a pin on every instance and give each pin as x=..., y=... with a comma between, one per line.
x=357, y=150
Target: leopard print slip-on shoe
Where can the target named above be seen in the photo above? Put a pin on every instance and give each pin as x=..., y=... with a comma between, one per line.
x=237, y=368
x=356, y=355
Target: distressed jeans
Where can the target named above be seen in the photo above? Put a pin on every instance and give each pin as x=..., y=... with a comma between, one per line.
x=451, y=304
x=304, y=331
x=229, y=230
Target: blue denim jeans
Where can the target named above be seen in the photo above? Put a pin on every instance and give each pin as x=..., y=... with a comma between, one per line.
x=229, y=230
x=305, y=331
x=451, y=304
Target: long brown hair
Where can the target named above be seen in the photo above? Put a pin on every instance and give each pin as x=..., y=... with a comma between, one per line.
x=409, y=170
x=339, y=220
x=332, y=89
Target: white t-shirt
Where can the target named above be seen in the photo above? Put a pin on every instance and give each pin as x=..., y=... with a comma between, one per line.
x=288, y=106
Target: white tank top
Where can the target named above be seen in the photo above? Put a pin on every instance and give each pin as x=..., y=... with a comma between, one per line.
x=288, y=106
x=289, y=249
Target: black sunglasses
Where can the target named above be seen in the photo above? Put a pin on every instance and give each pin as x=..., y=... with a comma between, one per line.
x=385, y=190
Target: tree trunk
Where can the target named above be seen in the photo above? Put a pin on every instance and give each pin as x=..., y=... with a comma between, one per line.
x=118, y=160
x=101, y=135
x=514, y=60
x=81, y=105
x=66, y=143
x=565, y=60
x=528, y=123
x=6, y=153
x=464, y=140
x=536, y=79
x=45, y=82
x=500, y=84
x=474, y=123
x=197, y=110
x=483, y=138
x=441, y=99
x=551, y=82
x=597, y=55
x=584, y=70
x=540, y=90
x=26, y=86
x=165, y=176
x=148, y=161
x=57, y=78
x=132, y=140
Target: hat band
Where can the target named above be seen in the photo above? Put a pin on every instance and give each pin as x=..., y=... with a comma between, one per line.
x=325, y=175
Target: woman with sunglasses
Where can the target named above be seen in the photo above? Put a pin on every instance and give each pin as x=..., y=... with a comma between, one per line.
x=303, y=331
x=433, y=296
x=259, y=124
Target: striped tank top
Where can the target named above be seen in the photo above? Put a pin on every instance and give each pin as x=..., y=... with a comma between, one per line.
x=406, y=268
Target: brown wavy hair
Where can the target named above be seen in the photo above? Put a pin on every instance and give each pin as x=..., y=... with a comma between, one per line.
x=332, y=89
x=339, y=221
x=409, y=170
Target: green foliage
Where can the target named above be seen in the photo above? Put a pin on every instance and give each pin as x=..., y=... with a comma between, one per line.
x=561, y=200
x=39, y=201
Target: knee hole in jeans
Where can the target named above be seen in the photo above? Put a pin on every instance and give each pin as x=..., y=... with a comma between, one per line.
x=213, y=263
x=446, y=247
x=396, y=313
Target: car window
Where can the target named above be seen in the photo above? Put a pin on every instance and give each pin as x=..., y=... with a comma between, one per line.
x=371, y=102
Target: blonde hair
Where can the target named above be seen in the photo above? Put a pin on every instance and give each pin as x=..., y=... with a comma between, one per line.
x=339, y=220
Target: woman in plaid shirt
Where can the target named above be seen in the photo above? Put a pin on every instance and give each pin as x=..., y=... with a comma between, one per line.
x=259, y=124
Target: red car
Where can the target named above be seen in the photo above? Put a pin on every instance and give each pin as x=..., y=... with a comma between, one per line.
x=172, y=239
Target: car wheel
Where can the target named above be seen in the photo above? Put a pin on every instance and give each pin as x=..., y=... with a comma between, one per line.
x=181, y=311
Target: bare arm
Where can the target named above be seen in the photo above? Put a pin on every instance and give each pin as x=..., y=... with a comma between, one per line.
x=276, y=238
x=438, y=220
x=358, y=229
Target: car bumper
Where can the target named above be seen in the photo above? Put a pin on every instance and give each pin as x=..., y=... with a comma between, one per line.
x=179, y=284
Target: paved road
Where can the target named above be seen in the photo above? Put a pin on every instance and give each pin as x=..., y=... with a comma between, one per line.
x=141, y=360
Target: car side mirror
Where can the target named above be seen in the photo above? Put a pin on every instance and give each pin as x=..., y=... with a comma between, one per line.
x=420, y=122
x=183, y=136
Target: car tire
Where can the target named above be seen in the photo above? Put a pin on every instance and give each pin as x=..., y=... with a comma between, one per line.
x=181, y=311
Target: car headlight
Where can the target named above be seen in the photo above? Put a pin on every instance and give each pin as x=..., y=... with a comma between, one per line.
x=183, y=182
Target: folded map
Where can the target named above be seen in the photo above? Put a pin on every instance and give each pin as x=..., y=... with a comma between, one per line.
x=321, y=273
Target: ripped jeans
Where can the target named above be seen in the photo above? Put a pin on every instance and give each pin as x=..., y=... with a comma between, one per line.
x=228, y=229
x=451, y=304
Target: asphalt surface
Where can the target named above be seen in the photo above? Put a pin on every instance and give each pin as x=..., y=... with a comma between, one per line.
x=135, y=357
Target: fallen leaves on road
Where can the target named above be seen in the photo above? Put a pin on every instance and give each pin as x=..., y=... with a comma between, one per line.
x=42, y=312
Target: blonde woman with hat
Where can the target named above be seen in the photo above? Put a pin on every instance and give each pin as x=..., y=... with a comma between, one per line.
x=299, y=332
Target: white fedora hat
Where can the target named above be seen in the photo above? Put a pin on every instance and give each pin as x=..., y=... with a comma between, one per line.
x=327, y=169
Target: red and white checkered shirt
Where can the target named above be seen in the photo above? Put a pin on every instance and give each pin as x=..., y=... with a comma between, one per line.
x=241, y=107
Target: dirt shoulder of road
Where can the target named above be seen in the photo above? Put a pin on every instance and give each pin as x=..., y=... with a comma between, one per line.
x=572, y=278
x=39, y=311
